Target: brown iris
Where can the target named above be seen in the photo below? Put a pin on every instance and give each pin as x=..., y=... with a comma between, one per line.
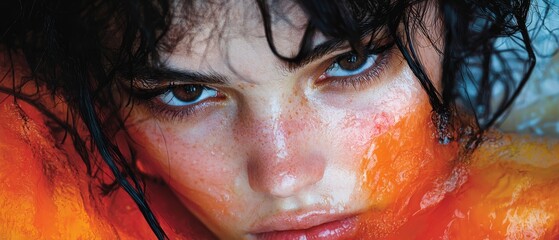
x=188, y=93
x=351, y=61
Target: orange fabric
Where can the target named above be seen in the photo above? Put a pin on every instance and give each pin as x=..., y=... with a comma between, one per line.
x=41, y=191
x=45, y=192
x=508, y=190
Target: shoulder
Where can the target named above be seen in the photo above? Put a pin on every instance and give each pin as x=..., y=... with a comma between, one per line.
x=42, y=192
x=514, y=185
x=520, y=150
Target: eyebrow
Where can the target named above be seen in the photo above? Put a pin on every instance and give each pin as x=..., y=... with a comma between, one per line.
x=154, y=76
x=162, y=75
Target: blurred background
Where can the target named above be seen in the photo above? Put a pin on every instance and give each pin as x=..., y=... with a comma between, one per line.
x=536, y=110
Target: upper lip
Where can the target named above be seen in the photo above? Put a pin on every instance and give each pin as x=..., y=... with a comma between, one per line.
x=297, y=221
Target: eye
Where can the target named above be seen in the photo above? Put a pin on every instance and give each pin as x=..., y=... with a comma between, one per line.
x=350, y=64
x=185, y=95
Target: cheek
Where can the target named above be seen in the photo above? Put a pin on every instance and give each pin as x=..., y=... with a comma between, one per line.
x=394, y=159
x=359, y=130
x=192, y=163
x=400, y=165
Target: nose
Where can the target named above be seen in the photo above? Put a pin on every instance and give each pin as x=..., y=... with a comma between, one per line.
x=283, y=159
x=284, y=177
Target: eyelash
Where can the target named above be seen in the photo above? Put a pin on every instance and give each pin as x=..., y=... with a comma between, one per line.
x=360, y=80
x=148, y=96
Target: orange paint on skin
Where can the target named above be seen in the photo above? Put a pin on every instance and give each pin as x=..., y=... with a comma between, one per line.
x=400, y=165
x=508, y=188
x=425, y=191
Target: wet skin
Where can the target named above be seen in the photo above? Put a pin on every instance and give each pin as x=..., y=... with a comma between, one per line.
x=507, y=189
x=337, y=161
x=272, y=151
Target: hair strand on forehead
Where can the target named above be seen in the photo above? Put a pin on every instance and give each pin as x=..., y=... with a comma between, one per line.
x=82, y=50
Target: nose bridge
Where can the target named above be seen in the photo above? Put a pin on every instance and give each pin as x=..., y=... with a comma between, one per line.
x=282, y=161
x=279, y=116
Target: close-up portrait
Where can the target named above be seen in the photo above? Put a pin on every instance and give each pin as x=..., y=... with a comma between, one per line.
x=279, y=119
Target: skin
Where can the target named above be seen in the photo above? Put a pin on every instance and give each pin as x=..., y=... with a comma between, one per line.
x=276, y=142
x=283, y=142
x=276, y=146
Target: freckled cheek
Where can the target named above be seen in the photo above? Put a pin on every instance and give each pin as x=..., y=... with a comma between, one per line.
x=361, y=130
x=352, y=136
x=198, y=169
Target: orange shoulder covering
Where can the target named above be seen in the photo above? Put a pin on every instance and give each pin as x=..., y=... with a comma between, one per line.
x=510, y=190
x=43, y=195
x=513, y=189
x=46, y=193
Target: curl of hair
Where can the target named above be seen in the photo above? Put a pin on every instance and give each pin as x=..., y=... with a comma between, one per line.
x=79, y=49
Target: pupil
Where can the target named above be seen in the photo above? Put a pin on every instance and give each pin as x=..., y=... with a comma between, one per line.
x=188, y=93
x=351, y=62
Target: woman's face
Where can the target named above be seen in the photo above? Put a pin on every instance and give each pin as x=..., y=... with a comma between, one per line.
x=257, y=148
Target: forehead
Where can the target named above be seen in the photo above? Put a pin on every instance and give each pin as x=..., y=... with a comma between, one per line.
x=204, y=24
x=228, y=39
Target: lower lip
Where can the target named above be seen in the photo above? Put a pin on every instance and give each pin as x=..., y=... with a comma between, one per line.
x=331, y=230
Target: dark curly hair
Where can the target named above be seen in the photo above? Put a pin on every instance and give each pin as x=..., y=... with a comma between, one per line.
x=78, y=49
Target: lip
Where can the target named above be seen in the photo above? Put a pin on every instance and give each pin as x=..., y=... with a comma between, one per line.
x=307, y=226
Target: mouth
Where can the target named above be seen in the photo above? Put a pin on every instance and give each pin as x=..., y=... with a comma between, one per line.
x=313, y=227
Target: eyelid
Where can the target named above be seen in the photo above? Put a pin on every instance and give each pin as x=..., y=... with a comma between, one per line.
x=153, y=78
x=159, y=84
x=146, y=89
x=357, y=81
x=167, y=112
x=169, y=98
x=368, y=62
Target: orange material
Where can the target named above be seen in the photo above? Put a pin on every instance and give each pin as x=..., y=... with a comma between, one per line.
x=508, y=189
x=45, y=192
x=42, y=193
